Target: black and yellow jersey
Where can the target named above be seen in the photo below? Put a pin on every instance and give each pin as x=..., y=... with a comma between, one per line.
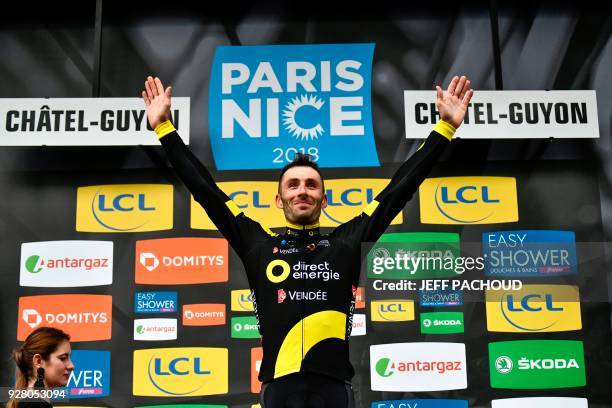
x=303, y=281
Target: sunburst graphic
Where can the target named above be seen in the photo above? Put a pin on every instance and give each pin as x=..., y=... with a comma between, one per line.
x=289, y=117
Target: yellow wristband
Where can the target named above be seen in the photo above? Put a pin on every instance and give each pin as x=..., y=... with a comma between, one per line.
x=445, y=129
x=164, y=128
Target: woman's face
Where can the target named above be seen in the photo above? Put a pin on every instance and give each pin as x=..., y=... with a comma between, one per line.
x=58, y=366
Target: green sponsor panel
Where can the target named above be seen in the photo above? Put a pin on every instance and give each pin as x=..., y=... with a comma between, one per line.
x=245, y=327
x=414, y=255
x=537, y=364
x=442, y=323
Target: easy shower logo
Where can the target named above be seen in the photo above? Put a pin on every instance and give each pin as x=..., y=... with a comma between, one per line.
x=529, y=253
x=267, y=103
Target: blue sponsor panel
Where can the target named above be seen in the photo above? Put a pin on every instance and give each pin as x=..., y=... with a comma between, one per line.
x=436, y=298
x=421, y=403
x=267, y=103
x=529, y=253
x=155, y=302
x=91, y=375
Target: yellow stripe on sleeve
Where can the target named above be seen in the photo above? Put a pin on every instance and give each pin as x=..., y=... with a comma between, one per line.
x=164, y=128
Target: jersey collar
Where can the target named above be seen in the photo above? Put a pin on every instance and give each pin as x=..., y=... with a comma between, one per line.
x=302, y=230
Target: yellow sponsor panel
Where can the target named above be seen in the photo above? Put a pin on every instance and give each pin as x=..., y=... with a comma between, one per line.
x=124, y=208
x=242, y=301
x=180, y=372
x=468, y=200
x=391, y=310
x=347, y=198
x=534, y=308
x=255, y=198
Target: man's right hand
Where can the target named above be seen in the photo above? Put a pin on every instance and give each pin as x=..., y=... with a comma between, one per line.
x=157, y=100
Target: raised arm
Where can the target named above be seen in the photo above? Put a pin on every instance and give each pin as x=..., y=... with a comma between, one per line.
x=238, y=229
x=376, y=217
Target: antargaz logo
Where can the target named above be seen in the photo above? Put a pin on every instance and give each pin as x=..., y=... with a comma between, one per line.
x=468, y=200
x=384, y=367
x=124, y=208
x=268, y=102
x=33, y=264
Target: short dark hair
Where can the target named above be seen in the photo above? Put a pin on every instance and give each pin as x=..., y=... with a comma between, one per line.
x=301, y=160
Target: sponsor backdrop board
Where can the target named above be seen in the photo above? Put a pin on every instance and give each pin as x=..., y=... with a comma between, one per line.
x=204, y=318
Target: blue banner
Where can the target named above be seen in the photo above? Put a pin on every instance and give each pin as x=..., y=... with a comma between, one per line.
x=267, y=103
x=529, y=253
x=155, y=302
x=91, y=375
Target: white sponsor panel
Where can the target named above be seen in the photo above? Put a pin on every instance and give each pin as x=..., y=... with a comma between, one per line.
x=418, y=367
x=83, y=121
x=540, y=402
x=66, y=263
x=511, y=115
x=359, y=325
x=155, y=329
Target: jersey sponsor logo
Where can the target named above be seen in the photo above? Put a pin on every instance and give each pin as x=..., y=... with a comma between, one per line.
x=468, y=200
x=155, y=329
x=391, y=310
x=442, y=322
x=541, y=402
x=204, y=314
x=437, y=298
x=256, y=359
x=245, y=327
x=242, y=301
x=84, y=317
x=155, y=302
x=181, y=261
x=66, y=263
x=268, y=102
x=418, y=367
x=358, y=325
x=414, y=255
x=421, y=403
x=298, y=295
x=278, y=270
x=529, y=253
x=124, y=208
x=537, y=364
x=534, y=308
x=512, y=114
x=91, y=375
x=180, y=372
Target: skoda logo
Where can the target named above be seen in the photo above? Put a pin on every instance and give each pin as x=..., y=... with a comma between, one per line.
x=503, y=364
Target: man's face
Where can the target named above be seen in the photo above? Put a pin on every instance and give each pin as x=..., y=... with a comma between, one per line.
x=301, y=195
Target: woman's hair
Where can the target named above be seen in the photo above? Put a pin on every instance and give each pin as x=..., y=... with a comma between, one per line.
x=43, y=341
